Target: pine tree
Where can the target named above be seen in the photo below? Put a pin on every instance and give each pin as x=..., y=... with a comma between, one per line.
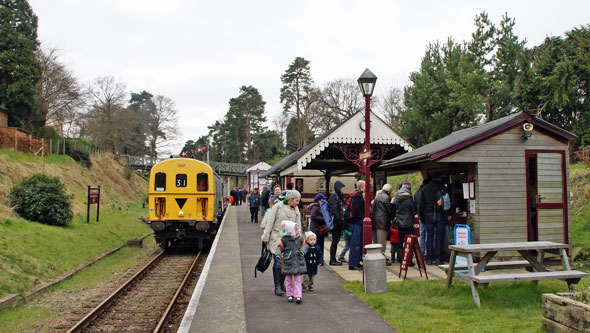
x=297, y=83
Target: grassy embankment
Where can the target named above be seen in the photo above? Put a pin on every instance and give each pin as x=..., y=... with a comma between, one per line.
x=427, y=306
x=32, y=253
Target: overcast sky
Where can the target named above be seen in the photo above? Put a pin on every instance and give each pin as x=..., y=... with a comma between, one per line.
x=199, y=53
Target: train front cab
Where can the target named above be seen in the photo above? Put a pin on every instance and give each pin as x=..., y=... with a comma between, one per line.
x=182, y=202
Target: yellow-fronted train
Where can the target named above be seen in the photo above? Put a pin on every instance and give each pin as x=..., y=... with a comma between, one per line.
x=186, y=201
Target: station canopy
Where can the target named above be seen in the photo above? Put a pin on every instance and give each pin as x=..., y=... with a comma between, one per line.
x=334, y=151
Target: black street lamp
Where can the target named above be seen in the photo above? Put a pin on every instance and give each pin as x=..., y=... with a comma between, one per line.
x=367, y=84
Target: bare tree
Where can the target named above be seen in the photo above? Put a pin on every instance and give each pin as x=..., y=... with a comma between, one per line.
x=162, y=124
x=103, y=120
x=343, y=98
x=280, y=123
x=391, y=106
x=61, y=95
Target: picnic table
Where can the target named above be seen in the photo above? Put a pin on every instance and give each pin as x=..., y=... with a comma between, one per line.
x=538, y=270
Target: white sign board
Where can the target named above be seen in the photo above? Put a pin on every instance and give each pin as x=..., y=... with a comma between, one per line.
x=462, y=237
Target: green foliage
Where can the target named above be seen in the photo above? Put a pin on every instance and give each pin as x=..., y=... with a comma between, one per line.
x=78, y=150
x=43, y=199
x=555, y=82
x=265, y=147
x=19, y=69
x=297, y=94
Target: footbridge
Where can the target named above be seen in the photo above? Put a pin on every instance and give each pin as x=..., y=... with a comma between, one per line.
x=221, y=168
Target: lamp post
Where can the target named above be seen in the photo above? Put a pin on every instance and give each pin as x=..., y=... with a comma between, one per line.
x=367, y=84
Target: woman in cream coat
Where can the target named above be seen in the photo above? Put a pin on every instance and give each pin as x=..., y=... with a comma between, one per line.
x=271, y=237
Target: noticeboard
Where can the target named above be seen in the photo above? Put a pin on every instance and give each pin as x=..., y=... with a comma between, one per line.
x=93, y=199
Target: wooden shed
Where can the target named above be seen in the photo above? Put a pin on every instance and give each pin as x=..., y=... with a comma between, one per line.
x=508, y=178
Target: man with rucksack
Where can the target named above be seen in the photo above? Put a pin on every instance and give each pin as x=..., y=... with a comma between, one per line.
x=254, y=201
x=336, y=207
x=434, y=203
x=355, y=214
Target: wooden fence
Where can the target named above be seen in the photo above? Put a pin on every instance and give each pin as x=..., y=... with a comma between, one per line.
x=16, y=140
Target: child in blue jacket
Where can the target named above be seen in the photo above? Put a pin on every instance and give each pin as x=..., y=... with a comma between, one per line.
x=313, y=258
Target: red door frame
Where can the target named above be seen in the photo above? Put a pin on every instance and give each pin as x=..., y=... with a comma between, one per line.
x=562, y=205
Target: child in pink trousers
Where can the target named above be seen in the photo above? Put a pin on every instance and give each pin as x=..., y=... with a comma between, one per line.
x=291, y=251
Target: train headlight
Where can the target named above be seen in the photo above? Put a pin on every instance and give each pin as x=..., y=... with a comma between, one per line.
x=158, y=226
x=202, y=226
x=181, y=213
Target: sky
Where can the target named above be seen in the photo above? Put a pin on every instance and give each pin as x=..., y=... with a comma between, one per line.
x=199, y=53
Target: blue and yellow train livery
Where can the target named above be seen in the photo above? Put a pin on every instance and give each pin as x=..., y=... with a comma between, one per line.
x=186, y=201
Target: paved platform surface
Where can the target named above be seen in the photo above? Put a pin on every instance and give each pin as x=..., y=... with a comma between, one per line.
x=245, y=304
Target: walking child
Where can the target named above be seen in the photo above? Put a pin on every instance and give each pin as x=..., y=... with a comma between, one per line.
x=291, y=251
x=313, y=258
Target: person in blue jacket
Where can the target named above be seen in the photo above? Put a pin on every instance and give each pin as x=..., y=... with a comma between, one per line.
x=254, y=201
x=313, y=258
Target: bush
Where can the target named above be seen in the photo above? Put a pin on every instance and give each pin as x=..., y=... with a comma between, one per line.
x=43, y=199
x=79, y=152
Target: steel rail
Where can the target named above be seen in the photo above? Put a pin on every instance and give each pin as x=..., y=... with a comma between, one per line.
x=159, y=328
x=84, y=322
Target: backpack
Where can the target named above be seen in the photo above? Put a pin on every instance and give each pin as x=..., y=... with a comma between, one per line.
x=255, y=200
x=347, y=210
x=263, y=261
x=443, y=201
x=326, y=215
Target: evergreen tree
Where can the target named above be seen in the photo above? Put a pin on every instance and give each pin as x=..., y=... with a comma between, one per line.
x=249, y=108
x=496, y=52
x=297, y=84
x=293, y=129
x=134, y=117
x=20, y=71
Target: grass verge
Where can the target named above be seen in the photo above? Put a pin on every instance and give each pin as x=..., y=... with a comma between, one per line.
x=44, y=314
x=427, y=306
x=32, y=253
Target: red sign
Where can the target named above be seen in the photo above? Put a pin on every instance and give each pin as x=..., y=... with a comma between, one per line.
x=412, y=247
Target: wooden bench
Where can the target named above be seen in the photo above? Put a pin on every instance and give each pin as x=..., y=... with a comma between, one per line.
x=526, y=249
x=569, y=276
x=493, y=265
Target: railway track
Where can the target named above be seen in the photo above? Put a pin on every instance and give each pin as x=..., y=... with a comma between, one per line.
x=146, y=300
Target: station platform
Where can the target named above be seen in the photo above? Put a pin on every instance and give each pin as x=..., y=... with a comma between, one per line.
x=230, y=299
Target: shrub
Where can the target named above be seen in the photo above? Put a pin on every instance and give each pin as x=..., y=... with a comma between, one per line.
x=43, y=199
x=79, y=152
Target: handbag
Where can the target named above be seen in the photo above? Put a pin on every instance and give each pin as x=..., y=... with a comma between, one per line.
x=322, y=230
x=394, y=239
x=263, y=261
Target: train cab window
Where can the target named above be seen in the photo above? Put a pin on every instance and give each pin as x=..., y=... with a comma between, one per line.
x=160, y=182
x=180, y=180
x=202, y=182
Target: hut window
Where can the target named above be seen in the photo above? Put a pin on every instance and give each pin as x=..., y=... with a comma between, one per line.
x=160, y=182
x=202, y=182
x=180, y=180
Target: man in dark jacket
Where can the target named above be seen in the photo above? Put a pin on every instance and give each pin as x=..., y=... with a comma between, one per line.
x=423, y=230
x=406, y=209
x=434, y=204
x=335, y=205
x=356, y=222
x=254, y=202
x=264, y=198
x=382, y=214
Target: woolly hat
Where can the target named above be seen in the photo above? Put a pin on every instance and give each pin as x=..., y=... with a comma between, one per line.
x=319, y=197
x=289, y=228
x=407, y=184
x=308, y=234
x=387, y=188
x=293, y=194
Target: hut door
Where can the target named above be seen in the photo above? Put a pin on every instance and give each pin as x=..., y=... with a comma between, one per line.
x=547, y=200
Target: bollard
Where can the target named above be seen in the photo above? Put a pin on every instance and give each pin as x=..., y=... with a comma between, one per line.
x=374, y=270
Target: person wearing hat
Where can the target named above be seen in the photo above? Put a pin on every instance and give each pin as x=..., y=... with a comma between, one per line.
x=406, y=210
x=318, y=223
x=286, y=210
x=382, y=215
